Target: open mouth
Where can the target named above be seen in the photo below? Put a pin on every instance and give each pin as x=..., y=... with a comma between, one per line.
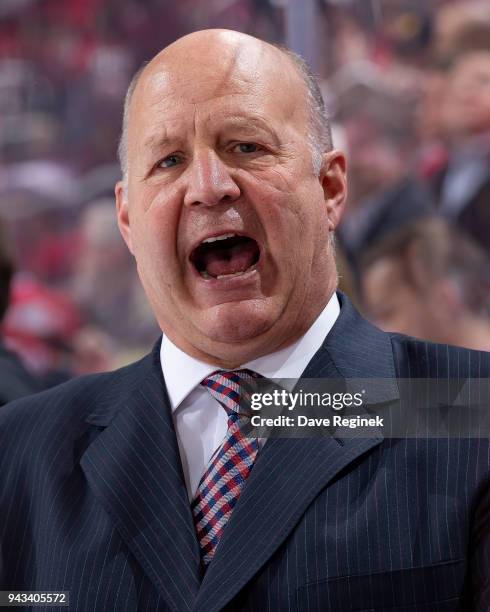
x=225, y=256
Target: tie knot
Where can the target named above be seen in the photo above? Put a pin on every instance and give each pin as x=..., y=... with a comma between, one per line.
x=231, y=389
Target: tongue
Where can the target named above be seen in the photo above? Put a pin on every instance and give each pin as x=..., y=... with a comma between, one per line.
x=237, y=258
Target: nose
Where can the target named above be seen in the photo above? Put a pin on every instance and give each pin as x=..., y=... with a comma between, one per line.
x=209, y=181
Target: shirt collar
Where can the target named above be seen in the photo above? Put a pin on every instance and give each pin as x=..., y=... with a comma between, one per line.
x=182, y=373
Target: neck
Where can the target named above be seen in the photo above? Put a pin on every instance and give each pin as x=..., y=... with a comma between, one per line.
x=283, y=333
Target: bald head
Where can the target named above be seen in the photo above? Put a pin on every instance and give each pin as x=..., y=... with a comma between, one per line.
x=232, y=52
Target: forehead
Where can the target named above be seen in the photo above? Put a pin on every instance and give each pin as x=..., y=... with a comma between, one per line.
x=257, y=85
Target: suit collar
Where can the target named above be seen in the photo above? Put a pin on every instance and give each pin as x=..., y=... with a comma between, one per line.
x=125, y=384
x=356, y=349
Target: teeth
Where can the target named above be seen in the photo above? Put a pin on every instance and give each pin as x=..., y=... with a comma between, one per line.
x=215, y=238
x=207, y=276
x=231, y=275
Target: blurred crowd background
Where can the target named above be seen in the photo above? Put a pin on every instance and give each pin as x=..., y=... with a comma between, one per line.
x=407, y=85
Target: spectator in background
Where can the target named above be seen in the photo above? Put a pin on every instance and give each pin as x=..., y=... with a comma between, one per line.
x=454, y=118
x=41, y=326
x=46, y=328
x=105, y=285
x=15, y=380
x=463, y=185
x=428, y=281
x=383, y=192
x=460, y=27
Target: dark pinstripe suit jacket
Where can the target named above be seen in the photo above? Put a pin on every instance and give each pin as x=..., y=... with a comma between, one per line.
x=93, y=500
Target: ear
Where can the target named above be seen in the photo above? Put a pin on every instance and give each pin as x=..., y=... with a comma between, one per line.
x=123, y=215
x=334, y=184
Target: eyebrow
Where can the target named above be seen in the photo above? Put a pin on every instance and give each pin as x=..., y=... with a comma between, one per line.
x=156, y=141
x=247, y=123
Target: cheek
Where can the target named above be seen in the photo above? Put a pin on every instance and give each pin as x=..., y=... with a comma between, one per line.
x=155, y=226
x=289, y=202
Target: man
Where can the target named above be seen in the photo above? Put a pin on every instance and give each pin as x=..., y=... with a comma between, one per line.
x=430, y=281
x=15, y=380
x=462, y=187
x=230, y=195
x=383, y=193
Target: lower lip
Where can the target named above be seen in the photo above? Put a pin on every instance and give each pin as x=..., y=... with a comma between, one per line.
x=232, y=282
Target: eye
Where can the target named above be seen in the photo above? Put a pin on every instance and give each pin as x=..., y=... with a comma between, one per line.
x=170, y=161
x=246, y=147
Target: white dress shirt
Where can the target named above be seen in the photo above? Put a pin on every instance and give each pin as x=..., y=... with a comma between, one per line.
x=200, y=420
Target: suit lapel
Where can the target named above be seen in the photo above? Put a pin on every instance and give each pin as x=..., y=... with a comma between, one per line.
x=133, y=467
x=290, y=473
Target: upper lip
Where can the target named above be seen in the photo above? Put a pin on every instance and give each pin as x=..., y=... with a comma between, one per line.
x=224, y=232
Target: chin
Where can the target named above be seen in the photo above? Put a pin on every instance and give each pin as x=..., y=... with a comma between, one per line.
x=237, y=322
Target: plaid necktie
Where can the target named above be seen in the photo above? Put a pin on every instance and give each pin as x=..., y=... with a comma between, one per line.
x=228, y=469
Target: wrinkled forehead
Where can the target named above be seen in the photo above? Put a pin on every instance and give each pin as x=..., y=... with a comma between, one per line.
x=258, y=76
